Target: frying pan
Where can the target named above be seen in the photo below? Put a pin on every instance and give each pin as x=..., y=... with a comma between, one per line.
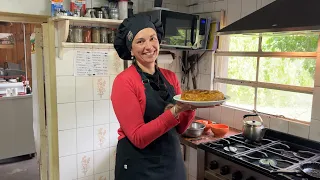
x=311, y=170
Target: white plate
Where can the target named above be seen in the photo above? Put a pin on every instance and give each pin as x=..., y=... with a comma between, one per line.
x=201, y=103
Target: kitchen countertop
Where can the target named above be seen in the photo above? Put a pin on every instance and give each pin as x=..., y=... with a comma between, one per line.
x=206, y=137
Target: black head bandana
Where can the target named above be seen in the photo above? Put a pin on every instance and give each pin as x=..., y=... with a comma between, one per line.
x=129, y=28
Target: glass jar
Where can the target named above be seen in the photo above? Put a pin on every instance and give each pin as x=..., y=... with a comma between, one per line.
x=96, y=34
x=70, y=34
x=114, y=13
x=111, y=35
x=87, y=34
x=103, y=35
x=77, y=34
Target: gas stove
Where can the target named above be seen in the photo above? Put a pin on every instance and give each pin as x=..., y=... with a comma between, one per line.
x=239, y=159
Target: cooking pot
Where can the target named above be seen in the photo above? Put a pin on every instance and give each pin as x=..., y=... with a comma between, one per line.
x=253, y=130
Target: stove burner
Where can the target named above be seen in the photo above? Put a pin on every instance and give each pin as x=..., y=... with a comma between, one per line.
x=243, y=139
x=230, y=149
x=268, y=162
x=286, y=150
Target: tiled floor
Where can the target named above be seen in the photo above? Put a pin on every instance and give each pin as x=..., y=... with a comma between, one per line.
x=24, y=168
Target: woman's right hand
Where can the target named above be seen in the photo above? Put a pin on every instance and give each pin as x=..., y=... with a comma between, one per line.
x=181, y=107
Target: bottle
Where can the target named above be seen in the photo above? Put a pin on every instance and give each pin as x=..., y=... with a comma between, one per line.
x=28, y=88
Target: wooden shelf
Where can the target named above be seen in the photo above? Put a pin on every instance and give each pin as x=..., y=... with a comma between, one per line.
x=86, y=45
x=6, y=46
x=87, y=20
x=63, y=23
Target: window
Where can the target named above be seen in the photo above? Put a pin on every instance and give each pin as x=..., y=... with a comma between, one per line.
x=269, y=74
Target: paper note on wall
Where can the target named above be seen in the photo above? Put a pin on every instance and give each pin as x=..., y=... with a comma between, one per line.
x=91, y=63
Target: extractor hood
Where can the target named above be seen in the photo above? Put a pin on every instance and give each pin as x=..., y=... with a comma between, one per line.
x=280, y=16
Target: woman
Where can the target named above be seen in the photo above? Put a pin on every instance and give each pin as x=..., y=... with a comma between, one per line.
x=142, y=98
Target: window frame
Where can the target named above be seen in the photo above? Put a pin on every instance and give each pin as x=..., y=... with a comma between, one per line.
x=221, y=66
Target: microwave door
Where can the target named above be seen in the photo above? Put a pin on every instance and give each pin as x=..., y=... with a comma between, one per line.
x=179, y=28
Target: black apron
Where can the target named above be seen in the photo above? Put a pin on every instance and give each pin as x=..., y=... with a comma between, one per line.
x=161, y=159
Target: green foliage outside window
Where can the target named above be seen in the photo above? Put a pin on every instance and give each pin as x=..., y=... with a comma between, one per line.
x=288, y=71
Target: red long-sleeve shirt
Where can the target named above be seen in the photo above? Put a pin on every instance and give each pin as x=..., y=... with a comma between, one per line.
x=129, y=103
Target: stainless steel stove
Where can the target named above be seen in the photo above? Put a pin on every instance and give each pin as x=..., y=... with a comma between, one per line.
x=238, y=159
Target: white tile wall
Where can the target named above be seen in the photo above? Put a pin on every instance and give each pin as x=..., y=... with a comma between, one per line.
x=84, y=88
x=87, y=178
x=205, y=81
x=234, y=12
x=227, y=115
x=247, y=7
x=215, y=114
x=66, y=116
x=314, y=130
x=204, y=113
x=64, y=66
x=208, y=6
x=300, y=130
x=101, y=88
x=112, y=157
x=85, y=133
x=101, y=160
x=101, y=136
x=85, y=139
x=66, y=89
x=85, y=164
x=113, y=117
x=102, y=176
x=67, y=142
x=111, y=174
x=68, y=167
x=114, y=133
x=84, y=114
x=316, y=104
x=279, y=125
x=101, y=112
x=266, y=2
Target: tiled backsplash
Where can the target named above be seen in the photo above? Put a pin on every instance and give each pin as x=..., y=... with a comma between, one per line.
x=86, y=121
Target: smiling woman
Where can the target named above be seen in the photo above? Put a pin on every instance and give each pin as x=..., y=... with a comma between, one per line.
x=150, y=120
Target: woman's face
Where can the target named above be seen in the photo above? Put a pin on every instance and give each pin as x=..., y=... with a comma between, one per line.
x=145, y=46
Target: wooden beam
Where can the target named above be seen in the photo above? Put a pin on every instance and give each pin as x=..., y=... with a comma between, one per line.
x=23, y=18
x=38, y=93
x=51, y=98
x=299, y=89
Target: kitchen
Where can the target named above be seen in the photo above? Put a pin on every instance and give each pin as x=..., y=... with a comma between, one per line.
x=224, y=114
x=17, y=52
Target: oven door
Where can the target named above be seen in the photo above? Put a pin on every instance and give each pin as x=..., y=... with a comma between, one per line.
x=180, y=29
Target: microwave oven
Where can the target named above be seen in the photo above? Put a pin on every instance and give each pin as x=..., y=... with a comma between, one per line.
x=181, y=30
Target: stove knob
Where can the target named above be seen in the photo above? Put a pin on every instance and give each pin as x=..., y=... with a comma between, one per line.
x=224, y=170
x=237, y=175
x=251, y=178
x=214, y=165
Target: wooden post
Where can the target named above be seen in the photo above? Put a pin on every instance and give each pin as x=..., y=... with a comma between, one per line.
x=39, y=107
x=51, y=99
